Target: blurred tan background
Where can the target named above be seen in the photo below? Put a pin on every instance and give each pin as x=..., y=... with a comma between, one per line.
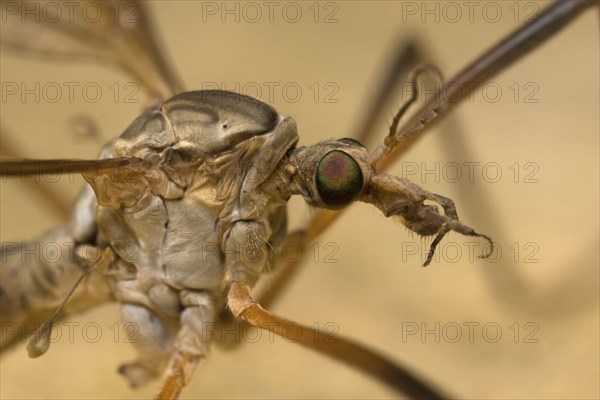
x=537, y=125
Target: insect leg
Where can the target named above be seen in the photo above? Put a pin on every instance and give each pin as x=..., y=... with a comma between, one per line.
x=406, y=57
x=191, y=343
x=44, y=191
x=245, y=259
x=284, y=136
x=243, y=306
x=152, y=339
x=529, y=36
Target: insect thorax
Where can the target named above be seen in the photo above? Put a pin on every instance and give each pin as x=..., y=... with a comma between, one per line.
x=207, y=188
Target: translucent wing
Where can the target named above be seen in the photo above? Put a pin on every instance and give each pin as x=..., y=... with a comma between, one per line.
x=115, y=32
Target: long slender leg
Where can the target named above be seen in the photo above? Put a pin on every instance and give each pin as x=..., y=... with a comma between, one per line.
x=243, y=306
x=242, y=269
x=45, y=192
x=407, y=56
x=529, y=36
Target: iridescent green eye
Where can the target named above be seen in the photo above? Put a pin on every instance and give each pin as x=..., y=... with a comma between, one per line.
x=339, y=179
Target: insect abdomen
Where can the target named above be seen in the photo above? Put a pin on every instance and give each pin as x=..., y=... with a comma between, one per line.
x=35, y=277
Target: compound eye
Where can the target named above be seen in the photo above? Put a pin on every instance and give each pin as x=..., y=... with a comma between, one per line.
x=339, y=179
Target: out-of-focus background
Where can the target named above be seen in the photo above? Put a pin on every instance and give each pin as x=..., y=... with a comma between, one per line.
x=520, y=159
